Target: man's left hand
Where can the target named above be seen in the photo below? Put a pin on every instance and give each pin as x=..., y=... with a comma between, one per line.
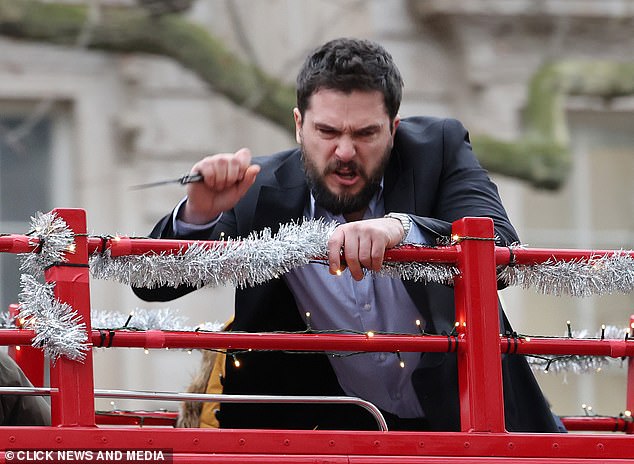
x=362, y=244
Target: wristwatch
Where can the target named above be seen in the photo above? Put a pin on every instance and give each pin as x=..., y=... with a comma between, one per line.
x=406, y=222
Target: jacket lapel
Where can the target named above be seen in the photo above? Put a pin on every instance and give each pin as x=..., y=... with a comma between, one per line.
x=398, y=187
x=283, y=197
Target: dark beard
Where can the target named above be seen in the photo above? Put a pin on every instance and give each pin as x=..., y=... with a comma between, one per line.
x=344, y=203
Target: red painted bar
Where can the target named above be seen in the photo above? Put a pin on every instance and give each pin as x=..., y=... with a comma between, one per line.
x=479, y=366
x=73, y=404
x=598, y=424
x=121, y=246
x=141, y=418
x=566, y=346
x=13, y=243
x=321, y=445
x=629, y=394
x=478, y=343
x=528, y=256
x=333, y=342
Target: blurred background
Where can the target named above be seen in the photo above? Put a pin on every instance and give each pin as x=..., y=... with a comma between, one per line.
x=100, y=95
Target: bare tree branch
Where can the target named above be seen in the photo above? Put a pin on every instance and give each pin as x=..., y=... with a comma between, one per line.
x=134, y=30
x=541, y=156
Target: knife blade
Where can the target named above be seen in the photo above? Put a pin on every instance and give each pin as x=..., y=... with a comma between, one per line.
x=182, y=180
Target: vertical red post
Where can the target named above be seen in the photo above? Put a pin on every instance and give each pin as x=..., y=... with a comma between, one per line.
x=30, y=360
x=73, y=404
x=629, y=399
x=479, y=362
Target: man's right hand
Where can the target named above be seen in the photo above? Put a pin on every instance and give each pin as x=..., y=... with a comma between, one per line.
x=226, y=178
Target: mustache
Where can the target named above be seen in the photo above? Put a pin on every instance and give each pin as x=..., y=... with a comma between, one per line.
x=345, y=166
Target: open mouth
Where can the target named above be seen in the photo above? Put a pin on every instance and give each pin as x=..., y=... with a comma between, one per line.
x=346, y=176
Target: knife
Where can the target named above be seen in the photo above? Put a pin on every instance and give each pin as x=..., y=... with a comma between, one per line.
x=182, y=180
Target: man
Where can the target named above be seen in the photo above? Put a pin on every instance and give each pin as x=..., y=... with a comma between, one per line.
x=387, y=181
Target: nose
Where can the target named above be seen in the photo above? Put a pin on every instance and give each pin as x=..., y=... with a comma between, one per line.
x=345, y=150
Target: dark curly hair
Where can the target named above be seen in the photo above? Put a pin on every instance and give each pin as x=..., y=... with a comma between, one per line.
x=350, y=64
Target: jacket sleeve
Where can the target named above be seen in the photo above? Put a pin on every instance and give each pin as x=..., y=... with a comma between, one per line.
x=164, y=229
x=463, y=189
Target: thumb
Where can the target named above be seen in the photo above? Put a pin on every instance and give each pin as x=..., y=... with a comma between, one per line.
x=249, y=178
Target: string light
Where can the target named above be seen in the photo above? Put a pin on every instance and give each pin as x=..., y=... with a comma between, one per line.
x=18, y=348
x=146, y=351
x=587, y=409
x=569, y=329
x=370, y=334
x=236, y=361
x=128, y=320
x=419, y=326
x=454, y=330
x=308, y=326
x=55, y=237
x=400, y=360
x=602, y=331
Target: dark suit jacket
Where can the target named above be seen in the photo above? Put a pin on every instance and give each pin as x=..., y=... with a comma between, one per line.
x=433, y=175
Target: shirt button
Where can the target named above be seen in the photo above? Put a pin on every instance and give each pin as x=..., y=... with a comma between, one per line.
x=367, y=306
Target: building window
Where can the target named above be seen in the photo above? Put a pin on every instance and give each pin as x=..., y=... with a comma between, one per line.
x=25, y=187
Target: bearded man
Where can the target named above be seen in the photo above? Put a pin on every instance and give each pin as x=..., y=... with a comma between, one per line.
x=386, y=181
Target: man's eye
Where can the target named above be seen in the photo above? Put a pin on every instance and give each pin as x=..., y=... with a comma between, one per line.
x=366, y=134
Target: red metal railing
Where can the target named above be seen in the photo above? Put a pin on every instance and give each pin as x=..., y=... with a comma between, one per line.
x=478, y=343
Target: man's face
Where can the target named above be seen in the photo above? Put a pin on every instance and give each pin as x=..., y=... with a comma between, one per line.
x=346, y=140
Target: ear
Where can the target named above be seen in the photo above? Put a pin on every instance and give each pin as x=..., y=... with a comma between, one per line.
x=397, y=121
x=298, y=125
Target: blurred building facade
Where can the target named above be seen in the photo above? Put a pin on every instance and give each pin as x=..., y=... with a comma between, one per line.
x=79, y=127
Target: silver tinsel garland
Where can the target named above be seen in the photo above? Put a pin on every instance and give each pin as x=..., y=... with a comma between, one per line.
x=251, y=261
x=264, y=256
x=55, y=238
x=58, y=328
x=149, y=319
x=578, y=278
x=577, y=363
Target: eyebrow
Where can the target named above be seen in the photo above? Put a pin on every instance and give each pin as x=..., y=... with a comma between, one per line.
x=368, y=128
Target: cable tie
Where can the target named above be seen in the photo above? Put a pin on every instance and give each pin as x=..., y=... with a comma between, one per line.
x=64, y=264
x=111, y=339
x=512, y=257
x=102, y=338
x=104, y=244
x=40, y=245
